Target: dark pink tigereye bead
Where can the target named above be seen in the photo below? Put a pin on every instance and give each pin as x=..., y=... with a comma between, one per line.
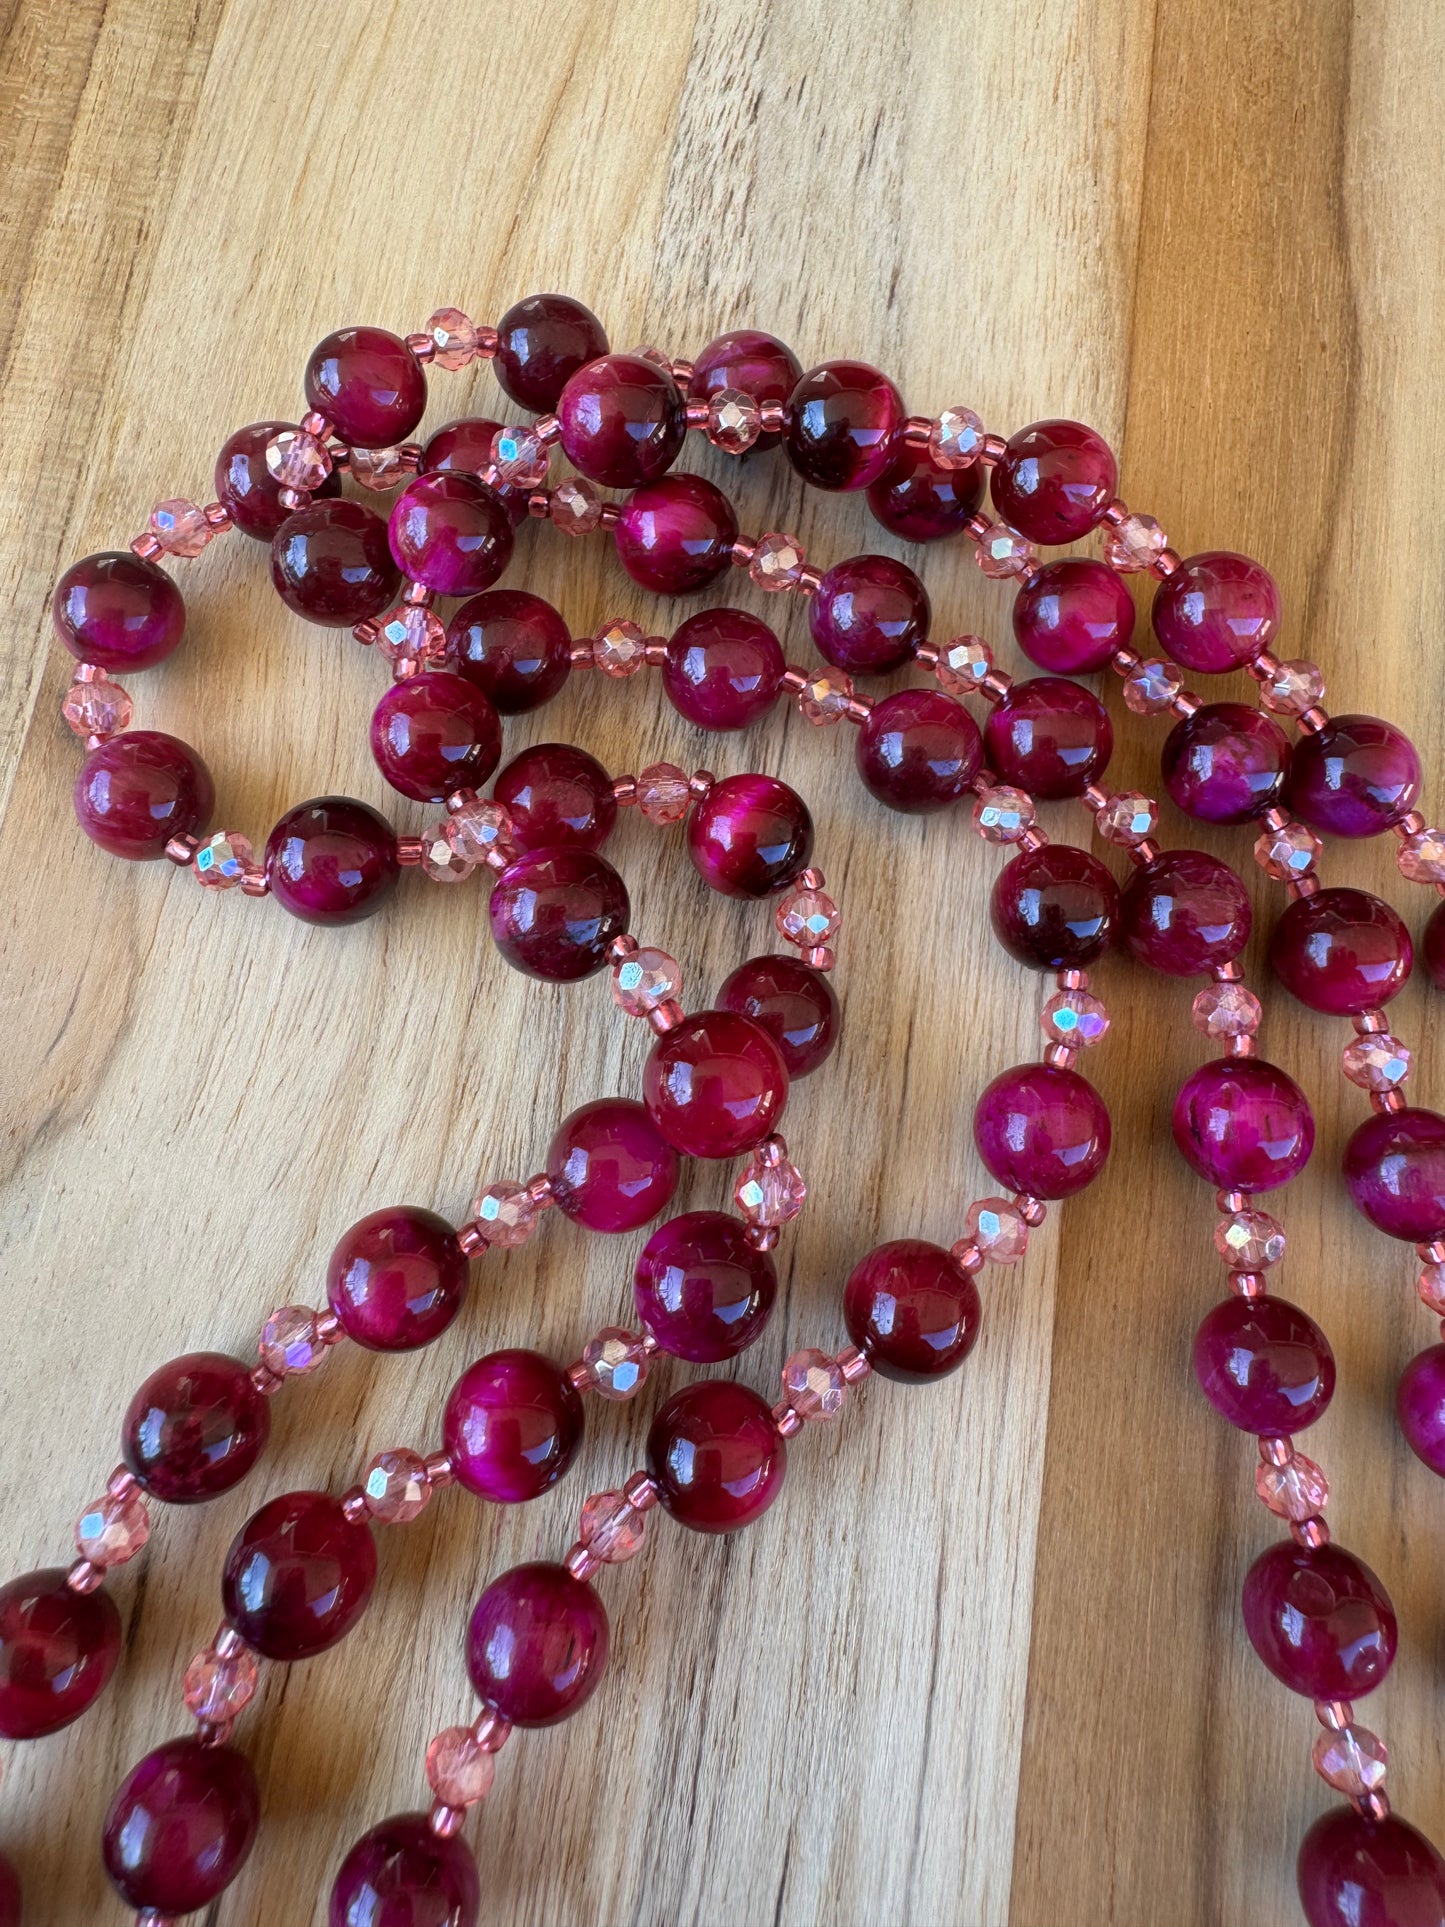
x=541, y=343
x=1216, y=612
x=58, y=1649
x=1341, y=951
x=869, y=615
x=180, y=1826
x=1320, y=1620
x=751, y=363
x=368, y=384
x=1243, y=1125
x=537, y=1644
x=402, y=1872
x=118, y=611
x=1071, y=616
x=750, y=836
x=716, y=1455
x=715, y=1084
x=137, y=791
x=397, y=1279
x=332, y=860
x=844, y=425
x=1357, y=1872
x=298, y=1575
x=555, y=912
x=723, y=669
x=1042, y=1129
x=623, y=421
x=609, y=1166
x=795, y=1004
x=701, y=1289
x=911, y=1310
x=1054, y=480
x=195, y=1428
x=1185, y=912
x=675, y=535
x=1357, y=776
x=1264, y=1365
x=513, y=1422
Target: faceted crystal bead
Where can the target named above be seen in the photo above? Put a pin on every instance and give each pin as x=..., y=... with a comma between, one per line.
x=411, y=633
x=1127, y=818
x=807, y=918
x=396, y=1486
x=459, y=1769
x=734, y=420
x=1002, y=814
x=1352, y=1760
x=1421, y=856
x=298, y=459
x=999, y=1229
x=611, y=1527
x=224, y=860
x=955, y=440
x=218, y=1686
x=619, y=649
x=440, y=858
x=1296, y=1490
x=663, y=793
x=1135, y=543
x=521, y=457
x=1290, y=851
x=575, y=507
x=963, y=664
x=1431, y=1287
x=478, y=828
x=1152, y=686
x=102, y=708
x=113, y=1528
x=617, y=1360
x=1377, y=1062
x=453, y=336
x=813, y=1384
x=1074, y=1017
x=1293, y=688
x=1249, y=1240
x=769, y=1194
x=291, y=1341
x=825, y=698
x=506, y=1212
x=777, y=562
x=1226, y=1010
x=379, y=468
x=1003, y=552
x=180, y=527
x=644, y=981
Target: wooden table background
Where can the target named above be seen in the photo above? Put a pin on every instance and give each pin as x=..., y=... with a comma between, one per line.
x=984, y=1661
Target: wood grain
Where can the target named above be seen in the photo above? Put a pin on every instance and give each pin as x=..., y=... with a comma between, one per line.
x=983, y=1662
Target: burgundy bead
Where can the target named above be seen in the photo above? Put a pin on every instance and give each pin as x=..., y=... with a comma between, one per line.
x=541, y=343
x=844, y=425
x=450, y=532
x=368, y=384
x=1420, y=1406
x=332, y=564
x=402, y=1874
x=918, y=750
x=559, y=798
x=195, y=1428
x=751, y=363
x=1216, y=612
x=1320, y=1620
x=1072, y=615
x=623, y=421
x=1432, y=946
x=298, y=1575
x=397, y=1279
x=1357, y=1872
x=1050, y=736
x=514, y=646
x=181, y=1825
x=1185, y=912
x=464, y=447
x=1242, y=1124
x=1395, y=1173
x=1226, y=763
x=247, y=489
x=1355, y=777
x=554, y=913
x=1341, y=951
x=716, y=1456
x=921, y=501
x=1264, y=1365
x=912, y=1310
x=118, y=611
x=1054, y=480
x=676, y=535
x=331, y=860
x=715, y=1084
x=513, y=1421
x=723, y=669
x=58, y=1649
x=9, y=1894
x=435, y=733
x=701, y=1289
x=134, y=793
x=609, y=1167
x=795, y=1004
x=1055, y=908
x=1043, y=1130
x=537, y=1644
x=750, y=836
x=869, y=615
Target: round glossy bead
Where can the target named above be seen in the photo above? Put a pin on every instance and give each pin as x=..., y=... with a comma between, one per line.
x=368, y=384
x=795, y=1004
x=1226, y=763
x=918, y=750
x=1341, y=951
x=1054, y=480
x=512, y=1424
x=715, y=1084
x=844, y=425
x=464, y=447
x=537, y=1644
x=1185, y=912
x=750, y=836
x=245, y=486
x=1320, y=1620
x=1395, y=1173
x=1049, y=736
x=554, y=913
x=332, y=564
x=1420, y=1406
x=1216, y=612
x=723, y=669
x=58, y=1649
x=451, y=533
x=195, y=1428
x=433, y=734
x=403, y=1874
x=1072, y=615
x=1355, y=777
x=1264, y=1365
x=751, y=363
x=558, y=797
x=137, y=791
x=1357, y=1872
x=1042, y=1129
x=609, y=1167
x=701, y=1289
x=397, y=1279
x=923, y=502
x=869, y=615
x=716, y=1456
x=180, y=1826
x=514, y=646
x=331, y=860
x=298, y=1576
x=541, y=343
x=118, y=611
x=623, y=421
x=1055, y=908
x=911, y=1310
x=1243, y=1125
x=676, y=535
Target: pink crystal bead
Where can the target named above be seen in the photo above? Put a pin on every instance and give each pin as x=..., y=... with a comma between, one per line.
x=734, y=420
x=663, y=793
x=1352, y=1760
x=521, y=457
x=1297, y=1490
x=459, y=1769
x=224, y=860
x=1376, y=1062
x=1292, y=687
x=1002, y=552
x=1135, y=543
x=113, y=1528
x=619, y=649
x=1003, y=814
x=1421, y=855
x=770, y=1189
x=645, y=981
x=575, y=506
x=219, y=1685
x=611, y=1527
x=616, y=1362
x=453, y=337
x=963, y=665
x=1150, y=687
x=396, y=1486
x=814, y=1385
x=181, y=527
x=1226, y=1010
x=1249, y=1240
x=955, y=439
x=291, y=1341
x=1431, y=1287
x=480, y=828
x=1075, y=1018
x=1290, y=851
x=411, y=633
x=380, y=469
x=807, y=918
x=826, y=698
x=1127, y=818
x=101, y=707
x=298, y=459
x=440, y=858
x=507, y=1213
x=999, y=1229
x=777, y=562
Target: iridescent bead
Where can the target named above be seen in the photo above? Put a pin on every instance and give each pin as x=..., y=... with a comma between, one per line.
x=814, y=1385
x=224, y=860
x=507, y=1213
x=459, y=1769
x=999, y=1229
x=575, y=507
x=411, y=633
x=181, y=527
x=734, y=420
x=663, y=793
x=453, y=337
x=1288, y=852
x=1226, y=1010
x=1431, y=1287
x=826, y=698
x=644, y=981
x=1376, y=1062
x=1351, y=1759
x=379, y=469
x=1074, y=1018
x=1297, y=1490
x=1003, y=814
x=218, y=1686
x=807, y=918
x=619, y=649
x=1134, y=544
x=520, y=457
x=611, y=1527
x=1421, y=855
x=955, y=439
x=1002, y=552
x=616, y=1361
x=298, y=459
x=1293, y=687
x=396, y=1486
x=963, y=664
x=480, y=828
x=102, y=708
x=113, y=1528
x=1151, y=687
x=769, y=1192
x=777, y=562
x=1249, y=1240
x=1127, y=818
x=291, y=1341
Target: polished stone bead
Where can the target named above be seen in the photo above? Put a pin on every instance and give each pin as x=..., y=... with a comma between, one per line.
x=137, y=791
x=1049, y=736
x=1071, y=616
x=716, y=1455
x=1042, y=1129
x=298, y=1576
x=450, y=532
x=118, y=610
x=750, y=836
x=723, y=669
x=1341, y=951
x=541, y=343
x=1356, y=1872
x=245, y=486
x=921, y=500
x=435, y=733
x=554, y=912
x=1320, y=1620
x=1216, y=612
x=1185, y=912
x=609, y=1166
x=58, y=1649
x=1395, y=1173
x=558, y=797
x=1243, y=1125
x=537, y=1644
x=332, y=860
x=918, y=750
x=464, y=447
x=333, y=565
x=1226, y=763
x=1420, y=1406
x=1355, y=777
x=701, y=1289
x=750, y=363
x=1055, y=908
x=715, y=1084
x=195, y=1428
x=403, y=1874
x=676, y=535
x=180, y=1826
x=795, y=1004
x=844, y=425
x=514, y=646
x=869, y=615
x=397, y=1279
x=512, y=1424
x=368, y=384
x=1054, y=480
x=911, y=1310
x=623, y=421
x=1264, y=1365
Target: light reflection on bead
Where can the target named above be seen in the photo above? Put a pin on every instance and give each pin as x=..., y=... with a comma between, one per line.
x=1249, y=1240
x=1377, y=1062
x=1288, y=852
x=1352, y=1760
x=224, y=860
x=616, y=1361
x=611, y=1527
x=1421, y=855
x=453, y=338
x=1003, y=814
x=1074, y=1017
x=1151, y=687
x=396, y=1486
x=1225, y=1010
x=507, y=1213
x=770, y=1190
x=999, y=1229
x=955, y=440
x=645, y=980
x=826, y=698
x=459, y=1769
x=813, y=1385
x=777, y=562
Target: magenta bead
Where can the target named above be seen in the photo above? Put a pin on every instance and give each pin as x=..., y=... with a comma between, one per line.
x=922, y=502
x=512, y=1423
x=558, y=798
x=1043, y=1130
x=622, y=420
x=246, y=488
x=918, y=750
x=537, y=1644
x=118, y=611
x=58, y=1649
x=1355, y=777
x=1320, y=1620
x=331, y=860
x=844, y=425
x=397, y=1279
x=195, y=1428
x=869, y=615
x=1055, y=908
x=541, y=343
x=1264, y=1365
x=1420, y=1406
x=750, y=836
x=716, y=1456
x=723, y=669
x=1341, y=951
x=1216, y=612
x=180, y=1826
x=402, y=1874
x=1049, y=736
x=137, y=791
x=751, y=363
x=298, y=1576
x=1072, y=615
x=1395, y=1173
x=368, y=384
x=795, y=1004
x=1357, y=1872
x=554, y=913
x=609, y=1167
x=464, y=447
x=333, y=565
x=450, y=532
x=1242, y=1124
x=435, y=733
x=676, y=535
x=514, y=646
x=1226, y=763
x=1054, y=480
x=701, y=1289
x=715, y=1084
x=1185, y=912
x=911, y=1310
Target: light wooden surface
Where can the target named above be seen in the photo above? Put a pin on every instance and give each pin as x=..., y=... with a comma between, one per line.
x=983, y=1662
